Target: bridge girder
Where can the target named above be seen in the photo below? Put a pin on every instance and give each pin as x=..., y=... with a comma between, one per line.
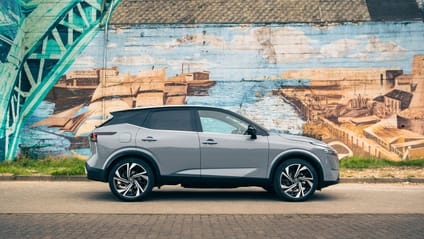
x=46, y=43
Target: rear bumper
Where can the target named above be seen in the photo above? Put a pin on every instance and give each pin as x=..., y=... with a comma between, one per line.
x=95, y=173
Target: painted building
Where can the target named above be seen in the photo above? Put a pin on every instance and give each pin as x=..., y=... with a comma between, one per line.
x=65, y=65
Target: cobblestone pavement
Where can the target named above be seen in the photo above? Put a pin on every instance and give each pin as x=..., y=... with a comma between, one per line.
x=211, y=226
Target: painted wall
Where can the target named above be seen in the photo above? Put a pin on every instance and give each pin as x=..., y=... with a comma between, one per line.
x=332, y=82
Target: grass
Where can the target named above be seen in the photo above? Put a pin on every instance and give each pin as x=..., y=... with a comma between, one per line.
x=74, y=166
x=362, y=163
x=48, y=166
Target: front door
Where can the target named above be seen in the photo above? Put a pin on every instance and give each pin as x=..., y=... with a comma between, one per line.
x=225, y=149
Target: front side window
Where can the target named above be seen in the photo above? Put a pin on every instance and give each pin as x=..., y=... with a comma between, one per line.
x=180, y=120
x=219, y=122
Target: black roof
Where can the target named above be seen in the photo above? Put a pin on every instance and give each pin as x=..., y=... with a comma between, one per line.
x=379, y=98
x=137, y=115
x=402, y=96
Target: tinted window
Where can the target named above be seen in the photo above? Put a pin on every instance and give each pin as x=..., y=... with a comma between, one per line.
x=219, y=122
x=129, y=117
x=171, y=120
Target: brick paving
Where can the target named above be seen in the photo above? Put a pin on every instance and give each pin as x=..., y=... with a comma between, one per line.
x=211, y=226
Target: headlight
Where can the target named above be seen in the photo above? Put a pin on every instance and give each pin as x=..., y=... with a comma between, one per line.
x=320, y=144
x=327, y=148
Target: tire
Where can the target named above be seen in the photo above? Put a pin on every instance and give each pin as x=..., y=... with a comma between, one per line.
x=135, y=187
x=295, y=180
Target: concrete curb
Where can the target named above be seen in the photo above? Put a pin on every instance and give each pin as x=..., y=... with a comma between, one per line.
x=84, y=178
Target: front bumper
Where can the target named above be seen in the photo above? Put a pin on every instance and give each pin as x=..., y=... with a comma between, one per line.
x=331, y=171
x=329, y=183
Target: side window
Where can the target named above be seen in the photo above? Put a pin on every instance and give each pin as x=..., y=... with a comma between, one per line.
x=131, y=117
x=171, y=120
x=219, y=122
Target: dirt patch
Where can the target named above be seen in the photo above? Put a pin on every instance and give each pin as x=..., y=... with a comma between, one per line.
x=386, y=172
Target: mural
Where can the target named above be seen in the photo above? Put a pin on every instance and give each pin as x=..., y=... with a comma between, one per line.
x=358, y=87
x=36, y=51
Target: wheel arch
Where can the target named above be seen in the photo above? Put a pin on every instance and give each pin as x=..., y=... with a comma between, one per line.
x=299, y=154
x=134, y=153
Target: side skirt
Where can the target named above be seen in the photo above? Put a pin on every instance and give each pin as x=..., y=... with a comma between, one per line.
x=213, y=182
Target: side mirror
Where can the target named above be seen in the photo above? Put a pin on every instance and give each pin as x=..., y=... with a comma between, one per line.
x=251, y=130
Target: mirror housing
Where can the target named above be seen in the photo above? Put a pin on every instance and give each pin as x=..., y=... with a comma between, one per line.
x=251, y=130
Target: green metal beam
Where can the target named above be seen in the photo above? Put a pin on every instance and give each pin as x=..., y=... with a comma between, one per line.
x=41, y=38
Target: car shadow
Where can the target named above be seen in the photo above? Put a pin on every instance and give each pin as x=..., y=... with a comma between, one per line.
x=100, y=196
x=204, y=195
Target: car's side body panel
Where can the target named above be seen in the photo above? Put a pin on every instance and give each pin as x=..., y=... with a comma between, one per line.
x=233, y=155
x=177, y=152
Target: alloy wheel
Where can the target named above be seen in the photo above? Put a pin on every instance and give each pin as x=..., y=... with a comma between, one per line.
x=131, y=180
x=296, y=180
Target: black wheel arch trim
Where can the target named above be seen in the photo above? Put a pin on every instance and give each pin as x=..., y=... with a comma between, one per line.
x=299, y=154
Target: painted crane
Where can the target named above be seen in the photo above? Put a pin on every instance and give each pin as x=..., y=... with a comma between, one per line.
x=39, y=40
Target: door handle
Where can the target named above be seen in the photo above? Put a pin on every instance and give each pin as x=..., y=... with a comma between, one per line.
x=149, y=139
x=209, y=141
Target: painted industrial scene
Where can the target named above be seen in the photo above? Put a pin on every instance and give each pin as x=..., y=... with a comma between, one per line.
x=359, y=110
x=378, y=115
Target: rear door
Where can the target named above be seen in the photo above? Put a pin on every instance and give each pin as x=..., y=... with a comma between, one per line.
x=169, y=134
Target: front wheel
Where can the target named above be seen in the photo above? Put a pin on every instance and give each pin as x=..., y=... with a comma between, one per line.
x=295, y=180
x=131, y=179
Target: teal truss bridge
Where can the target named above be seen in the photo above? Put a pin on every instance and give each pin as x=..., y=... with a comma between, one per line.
x=39, y=40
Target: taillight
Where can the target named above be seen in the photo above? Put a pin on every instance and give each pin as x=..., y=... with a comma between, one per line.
x=93, y=137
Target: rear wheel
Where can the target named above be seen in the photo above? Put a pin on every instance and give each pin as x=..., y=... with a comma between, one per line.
x=131, y=179
x=295, y=180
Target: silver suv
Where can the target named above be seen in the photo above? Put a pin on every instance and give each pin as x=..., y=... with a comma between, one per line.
x=198, y=146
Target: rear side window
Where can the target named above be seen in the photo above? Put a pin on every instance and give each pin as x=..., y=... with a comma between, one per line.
x=181, y=120
x=129, y=117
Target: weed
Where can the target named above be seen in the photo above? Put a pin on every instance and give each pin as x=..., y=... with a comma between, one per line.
x=359, y=162
x=48, y=166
